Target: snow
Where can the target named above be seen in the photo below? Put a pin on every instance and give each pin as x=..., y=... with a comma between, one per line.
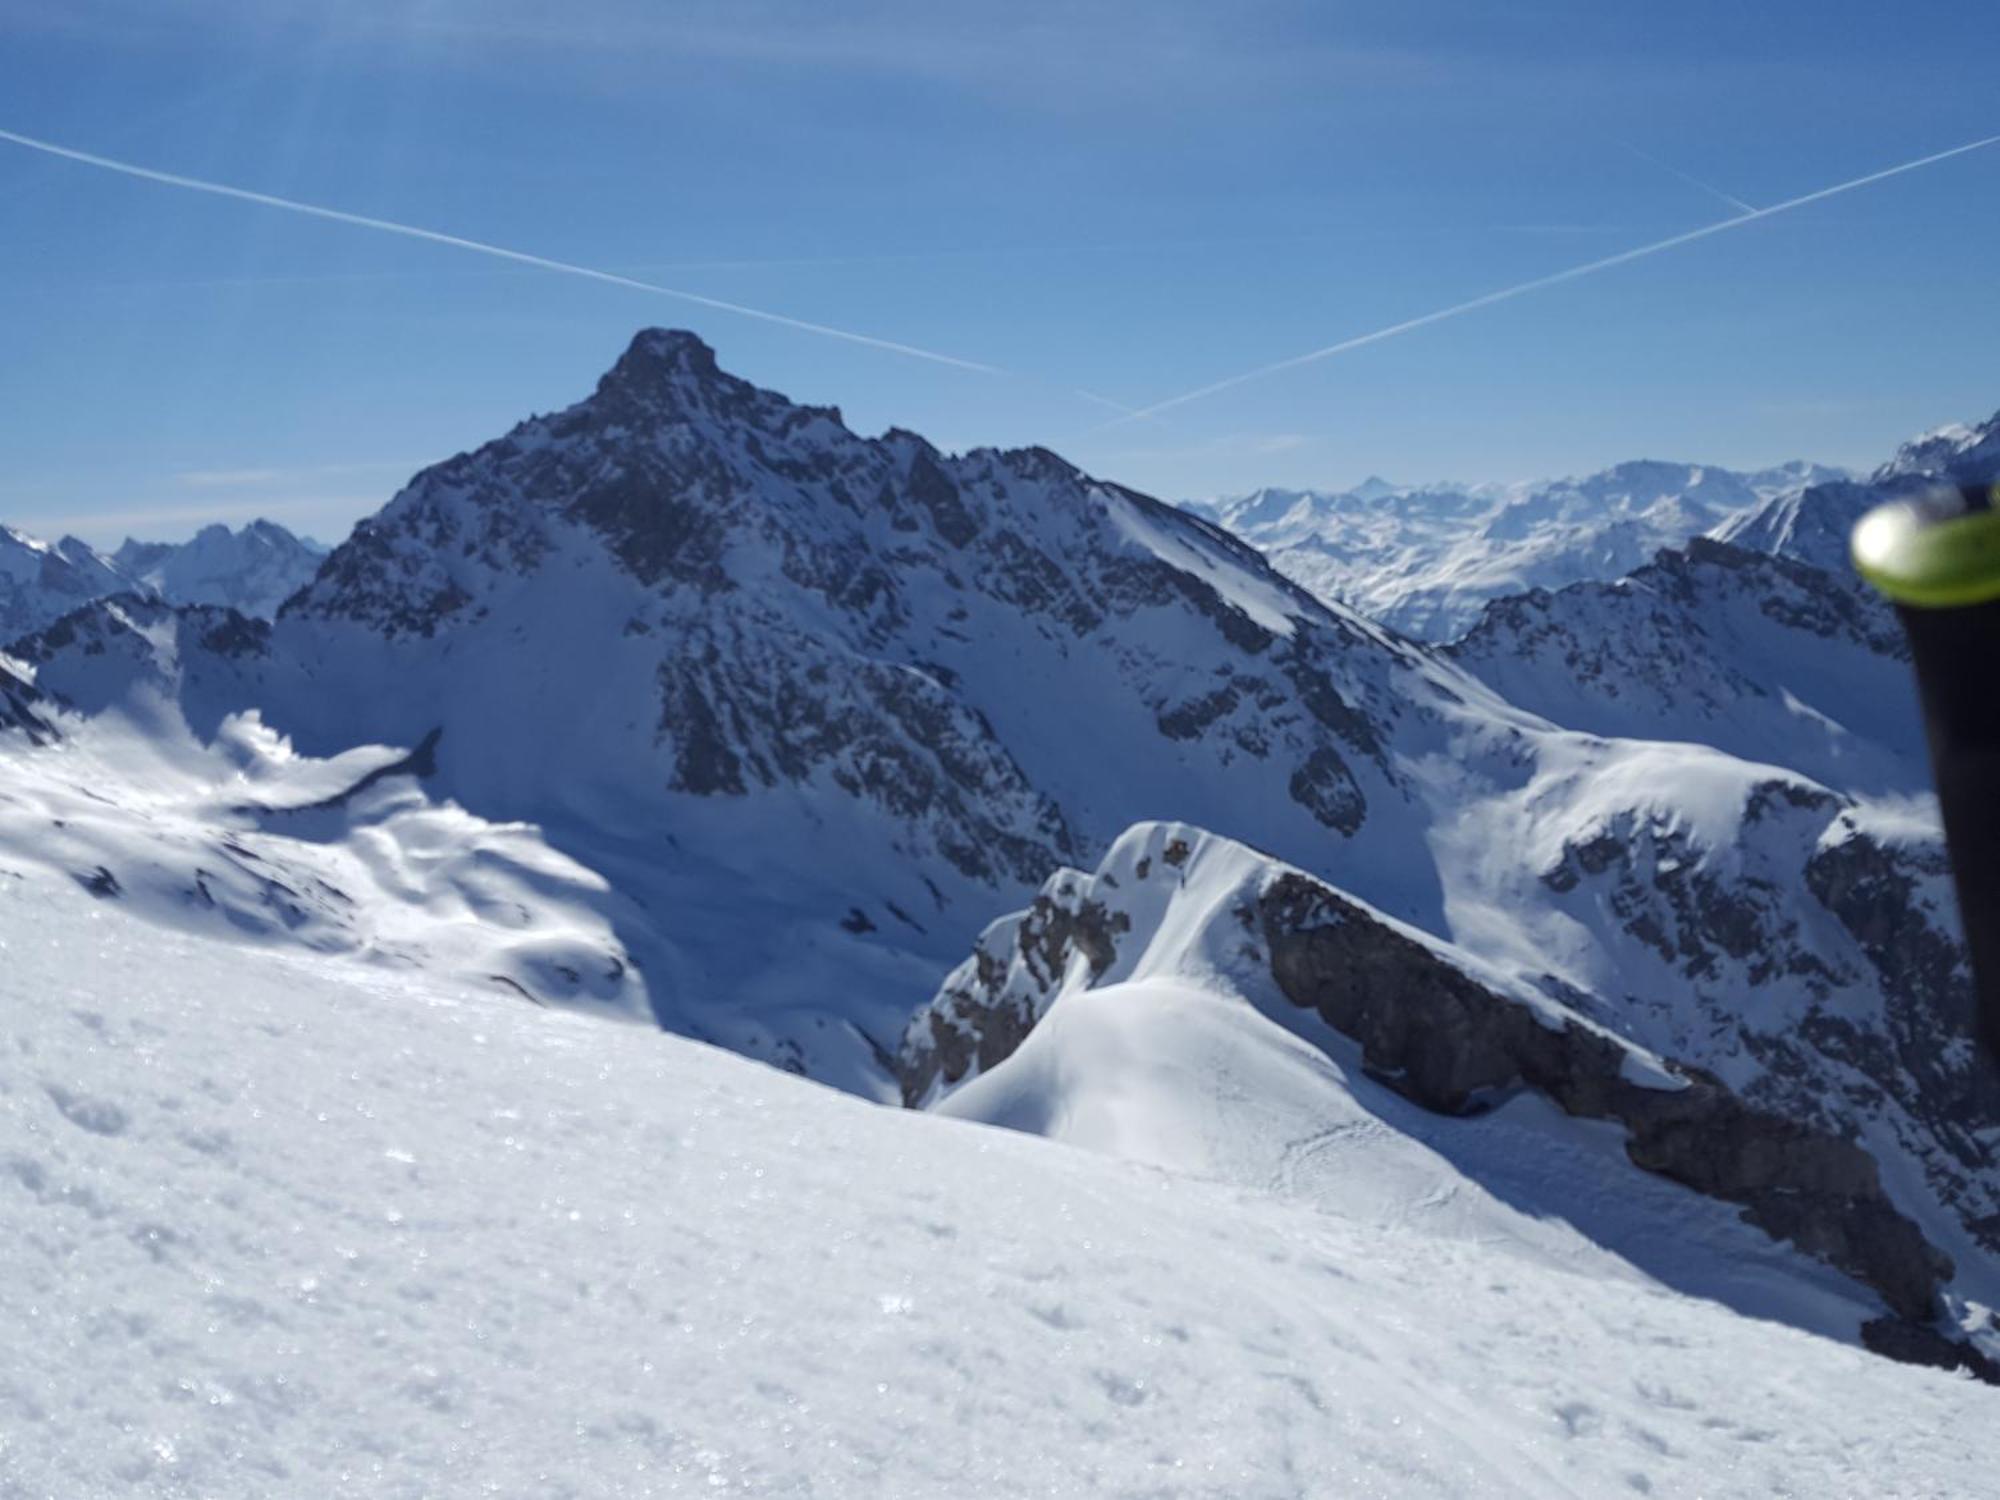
x=246, y=841
x=284, y=1223
x=1759, y=656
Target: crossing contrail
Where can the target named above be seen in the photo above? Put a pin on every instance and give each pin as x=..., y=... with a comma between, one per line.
x=481, y=247
x=1690, y=179
x=1507, y=294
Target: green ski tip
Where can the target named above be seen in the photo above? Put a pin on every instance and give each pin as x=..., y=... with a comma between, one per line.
x=1938, y=551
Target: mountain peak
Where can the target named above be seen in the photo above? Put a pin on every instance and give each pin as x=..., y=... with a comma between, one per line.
x=654, y=352
x=670, y=374
x=660, y=361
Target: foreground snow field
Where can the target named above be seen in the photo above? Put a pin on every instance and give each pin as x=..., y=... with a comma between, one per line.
x=279, y=1223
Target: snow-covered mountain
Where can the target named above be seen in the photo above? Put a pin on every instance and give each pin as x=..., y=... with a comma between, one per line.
x=821, y=701
x=793, y=712
x=1960, y=450
x=1180, y=967
x=253, y=569
x=1812, y=525
x=1764, y=657
x=40, y=582
x=1425, y=559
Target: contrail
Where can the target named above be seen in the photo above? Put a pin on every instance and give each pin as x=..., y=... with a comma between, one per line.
x=1556, y=279
x=1690, y=179
x=1096, y=400
x=481, y=247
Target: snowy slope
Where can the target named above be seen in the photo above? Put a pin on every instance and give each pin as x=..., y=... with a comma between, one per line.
x=253, y=569
x=1809, y=526
x=1426, y=559
x=286, y=1225
x=241, y=841
x=1812, y=525
x=1960, y=450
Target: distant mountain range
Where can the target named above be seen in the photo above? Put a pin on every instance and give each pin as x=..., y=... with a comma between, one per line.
x=687, y=703
x=1426, y=559
x=253, y=569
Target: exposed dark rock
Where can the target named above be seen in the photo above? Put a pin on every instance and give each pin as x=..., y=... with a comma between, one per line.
x=1922, y=1344
x=1442, y=1038
x=1927, y=1052
x=1324, y=787
x=978, y=1020
x=100, y=882
x=237, y=635
x=22, y=708
x=929, y=487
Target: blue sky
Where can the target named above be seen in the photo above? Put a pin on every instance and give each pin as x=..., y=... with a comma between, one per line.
x=1130, y=199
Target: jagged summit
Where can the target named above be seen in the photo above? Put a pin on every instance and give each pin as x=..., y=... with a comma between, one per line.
x=662, y=358
x=670, y=374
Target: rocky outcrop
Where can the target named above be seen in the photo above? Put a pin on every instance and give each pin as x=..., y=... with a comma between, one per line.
x=1442, y=1038
x=22, y=709
x=989, y=1004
